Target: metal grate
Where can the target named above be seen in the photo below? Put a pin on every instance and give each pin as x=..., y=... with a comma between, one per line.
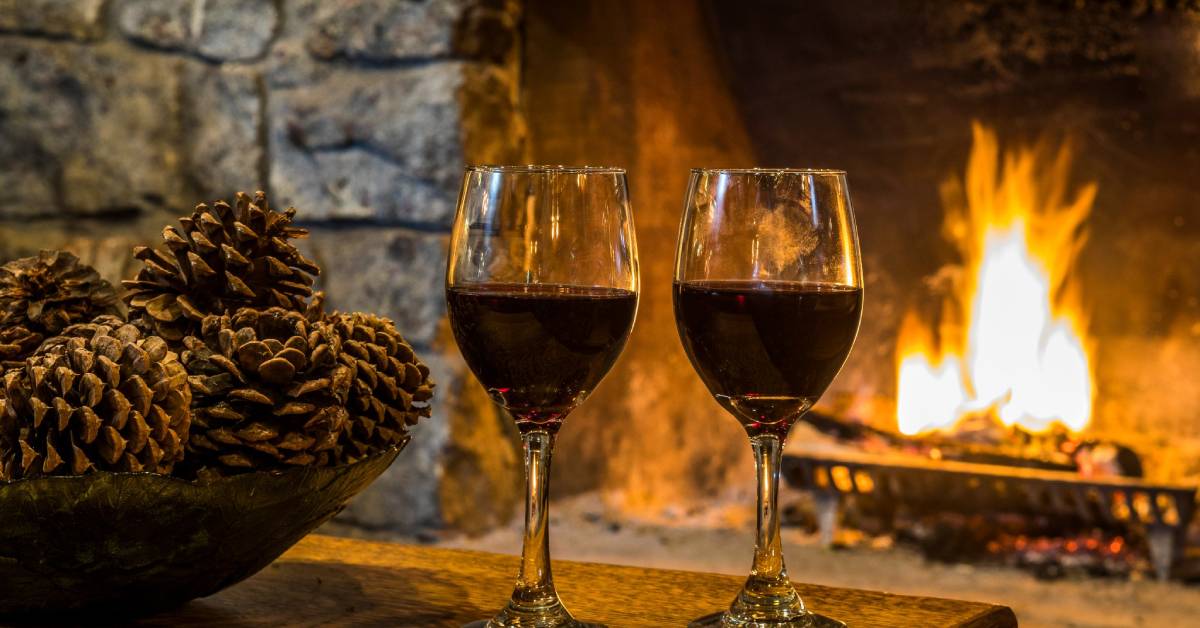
x=1115, y=503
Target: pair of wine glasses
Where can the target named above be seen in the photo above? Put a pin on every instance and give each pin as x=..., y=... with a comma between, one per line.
x=542, y=290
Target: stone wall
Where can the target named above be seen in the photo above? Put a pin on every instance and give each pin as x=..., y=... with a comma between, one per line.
x=118, y=115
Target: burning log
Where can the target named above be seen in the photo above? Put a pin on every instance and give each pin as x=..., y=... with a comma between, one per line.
x=986, y=441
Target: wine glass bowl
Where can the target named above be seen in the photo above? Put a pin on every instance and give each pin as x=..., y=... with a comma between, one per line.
x=752, y=344
x=768, y=298
x=541, y=290
x=539, y=349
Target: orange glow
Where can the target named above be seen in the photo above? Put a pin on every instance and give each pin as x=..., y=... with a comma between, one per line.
x=1015, y=345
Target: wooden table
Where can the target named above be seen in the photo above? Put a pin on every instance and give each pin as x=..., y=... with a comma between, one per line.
x=325, y=581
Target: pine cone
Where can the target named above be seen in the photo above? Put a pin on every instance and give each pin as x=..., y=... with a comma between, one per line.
x=391, y=386
x=269, y=391
x=102, y=325
x=42, y=295
x=16, y=343
x=108, y=398
x=224, y=258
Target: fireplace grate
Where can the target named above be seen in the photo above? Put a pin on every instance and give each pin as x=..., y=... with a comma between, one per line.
x=1111, y=503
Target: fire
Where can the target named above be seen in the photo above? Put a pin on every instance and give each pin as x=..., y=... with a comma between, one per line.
x=1012, y=341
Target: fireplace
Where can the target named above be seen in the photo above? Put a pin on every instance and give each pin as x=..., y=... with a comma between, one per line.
x=1037, y=154
x=1001, y=369
x=1091, y=80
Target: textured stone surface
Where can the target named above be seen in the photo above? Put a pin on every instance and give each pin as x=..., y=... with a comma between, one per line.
x=392, y=30
x=347, y=143
x=392, y=272
x=101, y=149
x=222, y=30
x=290, y=65
x=235, y=29
x=27, y=182
x=380, y=30
x=351, y=145
x=74, y=19
x=367, y=144
x=159, y=23
x=223, y=114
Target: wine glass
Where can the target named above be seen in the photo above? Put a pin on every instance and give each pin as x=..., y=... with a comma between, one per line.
x=542, y=290
x=768, y=296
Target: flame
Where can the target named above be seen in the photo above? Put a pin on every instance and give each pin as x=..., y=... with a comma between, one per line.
x=1012, y=341
x=930, y=388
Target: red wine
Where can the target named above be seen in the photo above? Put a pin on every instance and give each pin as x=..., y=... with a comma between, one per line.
x=767, y=349
x=539, y=349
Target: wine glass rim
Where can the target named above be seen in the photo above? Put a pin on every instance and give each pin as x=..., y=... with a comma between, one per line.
x=820, y=171
x=544, y=168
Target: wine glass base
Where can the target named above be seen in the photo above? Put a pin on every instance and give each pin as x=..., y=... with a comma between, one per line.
x=487, y=623
x=550, y=615
x=808, y=620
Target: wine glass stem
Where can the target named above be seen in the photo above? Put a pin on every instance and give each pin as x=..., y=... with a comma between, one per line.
x=535, y=586
x=768, y=548
x=768, y=594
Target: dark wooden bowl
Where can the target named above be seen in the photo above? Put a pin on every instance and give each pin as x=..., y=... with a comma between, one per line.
x=135, y=543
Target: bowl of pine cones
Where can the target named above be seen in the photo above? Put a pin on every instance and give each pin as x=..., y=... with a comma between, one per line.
x=162, y=451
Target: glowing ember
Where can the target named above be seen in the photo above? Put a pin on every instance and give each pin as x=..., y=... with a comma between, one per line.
x=1015, y=314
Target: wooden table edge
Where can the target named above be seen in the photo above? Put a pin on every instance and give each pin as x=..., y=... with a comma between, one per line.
x=330, y=581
